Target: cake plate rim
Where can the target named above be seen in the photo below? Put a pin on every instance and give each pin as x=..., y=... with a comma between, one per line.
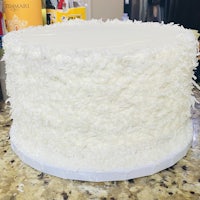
x=146, y=170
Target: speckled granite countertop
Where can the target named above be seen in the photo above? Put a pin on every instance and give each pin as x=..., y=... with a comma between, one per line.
x=20, y=182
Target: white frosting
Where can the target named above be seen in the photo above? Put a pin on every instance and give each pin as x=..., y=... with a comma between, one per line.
x=91, y=36
x=101, y=97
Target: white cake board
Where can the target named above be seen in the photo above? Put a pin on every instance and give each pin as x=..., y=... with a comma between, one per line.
x=146, y=170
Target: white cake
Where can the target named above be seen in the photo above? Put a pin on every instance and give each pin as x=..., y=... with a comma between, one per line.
x=100, y=101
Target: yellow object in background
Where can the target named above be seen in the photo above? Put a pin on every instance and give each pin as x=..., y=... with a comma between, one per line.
x=55, y=15
x=20, y=14
x=44, y=16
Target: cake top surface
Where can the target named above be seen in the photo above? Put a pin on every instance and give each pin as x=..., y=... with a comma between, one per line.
x=95, y=34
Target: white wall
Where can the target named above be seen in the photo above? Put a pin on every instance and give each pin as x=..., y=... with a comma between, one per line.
x=104, y=9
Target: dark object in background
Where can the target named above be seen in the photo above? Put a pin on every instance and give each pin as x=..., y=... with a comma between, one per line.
x=184, y=12
x=127, y=7
x=197, y=73
x=154, y=2
x=1, y=41
x=135, y=9
x=145, y=10
x=49, y=6
x=155, y=12
x=197, y=70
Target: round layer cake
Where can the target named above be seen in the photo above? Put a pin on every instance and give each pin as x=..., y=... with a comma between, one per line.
x=100, y=101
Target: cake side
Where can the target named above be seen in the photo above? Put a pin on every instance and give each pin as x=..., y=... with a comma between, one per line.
x=87, y=106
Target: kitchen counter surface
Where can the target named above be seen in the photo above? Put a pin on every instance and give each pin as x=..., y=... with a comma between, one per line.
x=20, y=182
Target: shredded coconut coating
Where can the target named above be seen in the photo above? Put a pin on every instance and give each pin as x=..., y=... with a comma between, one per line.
x=84, y=104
